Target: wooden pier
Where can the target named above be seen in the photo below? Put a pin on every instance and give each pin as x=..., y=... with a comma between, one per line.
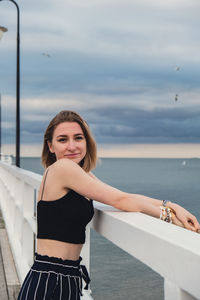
x=9, y=282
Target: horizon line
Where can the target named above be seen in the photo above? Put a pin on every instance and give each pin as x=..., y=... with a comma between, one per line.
x=176, y=150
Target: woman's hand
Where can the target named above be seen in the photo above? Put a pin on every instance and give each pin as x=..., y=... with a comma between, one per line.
x=176, y=221
x=184, y=218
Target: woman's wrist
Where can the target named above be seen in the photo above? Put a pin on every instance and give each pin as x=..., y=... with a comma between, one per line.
x=166, y=214
x=170, y=204
x=168, y=211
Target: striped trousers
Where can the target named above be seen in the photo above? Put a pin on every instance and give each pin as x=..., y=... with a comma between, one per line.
x=52, y=278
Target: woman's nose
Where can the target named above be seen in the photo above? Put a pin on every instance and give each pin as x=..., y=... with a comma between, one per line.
x=71, y=145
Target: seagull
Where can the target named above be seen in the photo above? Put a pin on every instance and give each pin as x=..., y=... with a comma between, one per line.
x=177, y=69
x=46, y=54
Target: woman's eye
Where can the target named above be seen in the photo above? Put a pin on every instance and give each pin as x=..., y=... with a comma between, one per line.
x=77, y=138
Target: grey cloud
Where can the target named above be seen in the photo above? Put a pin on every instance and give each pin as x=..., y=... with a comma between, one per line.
x=127, y=124
x=167, y=125
x=76, y=72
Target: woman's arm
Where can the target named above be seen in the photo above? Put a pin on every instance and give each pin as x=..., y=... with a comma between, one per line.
x=150, y=200
x=72, y=176
x=93, y=176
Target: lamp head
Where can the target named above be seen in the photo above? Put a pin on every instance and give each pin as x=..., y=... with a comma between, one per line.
x=2, y=30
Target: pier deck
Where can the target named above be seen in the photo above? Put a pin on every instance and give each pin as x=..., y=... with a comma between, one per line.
x=9, y=283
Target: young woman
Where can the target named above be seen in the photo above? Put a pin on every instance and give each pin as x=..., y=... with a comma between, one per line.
x=65, y=207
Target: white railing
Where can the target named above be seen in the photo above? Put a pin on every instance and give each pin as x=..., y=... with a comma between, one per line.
x=171, y=251
x=7, y=158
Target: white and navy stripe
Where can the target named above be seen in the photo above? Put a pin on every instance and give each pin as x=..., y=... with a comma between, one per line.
x=52, y=278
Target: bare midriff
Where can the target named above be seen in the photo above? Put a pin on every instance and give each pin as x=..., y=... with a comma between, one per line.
x=59, y=249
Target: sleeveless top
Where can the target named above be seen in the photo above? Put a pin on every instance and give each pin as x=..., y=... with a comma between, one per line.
x=64, y=219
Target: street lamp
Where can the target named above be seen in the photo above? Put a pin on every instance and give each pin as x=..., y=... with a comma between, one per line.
x=0, y=125
x=2, y=30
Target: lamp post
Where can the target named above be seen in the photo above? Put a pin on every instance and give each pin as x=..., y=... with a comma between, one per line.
x=0, y=126
x=3, y=29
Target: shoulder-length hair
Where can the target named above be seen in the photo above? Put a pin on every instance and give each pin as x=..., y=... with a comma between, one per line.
x=89, y=161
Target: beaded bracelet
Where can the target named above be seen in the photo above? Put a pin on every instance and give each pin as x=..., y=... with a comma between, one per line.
x=166, y=214
x=164, y=204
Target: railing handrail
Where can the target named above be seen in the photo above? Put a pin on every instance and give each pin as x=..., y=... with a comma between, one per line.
x=28, y=177
x=175, y=235
x=171, y=251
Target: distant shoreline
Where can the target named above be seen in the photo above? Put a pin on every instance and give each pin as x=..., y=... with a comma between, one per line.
x=182, y=150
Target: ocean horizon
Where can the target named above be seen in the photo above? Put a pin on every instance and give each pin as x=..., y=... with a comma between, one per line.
x=175, y=150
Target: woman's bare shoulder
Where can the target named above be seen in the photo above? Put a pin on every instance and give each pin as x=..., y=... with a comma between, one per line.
x=54, y=181
x=56, y=170
x=63, y=165
x=64, y=170
x=66, y=166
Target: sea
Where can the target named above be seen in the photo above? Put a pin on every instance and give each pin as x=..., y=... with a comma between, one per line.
x=115, y=274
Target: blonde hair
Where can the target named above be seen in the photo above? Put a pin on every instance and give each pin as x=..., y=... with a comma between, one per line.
x=89, y=161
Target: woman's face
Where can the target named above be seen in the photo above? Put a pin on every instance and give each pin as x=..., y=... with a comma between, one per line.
x=68, y=142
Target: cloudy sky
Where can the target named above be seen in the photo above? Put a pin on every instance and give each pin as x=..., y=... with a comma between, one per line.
x=131, y=68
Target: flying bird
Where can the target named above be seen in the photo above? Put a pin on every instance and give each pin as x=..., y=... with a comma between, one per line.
x=177, y=69
x=176, y=97
x=46, y=54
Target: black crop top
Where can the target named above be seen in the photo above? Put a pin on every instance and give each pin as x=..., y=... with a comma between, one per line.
x=64, y=219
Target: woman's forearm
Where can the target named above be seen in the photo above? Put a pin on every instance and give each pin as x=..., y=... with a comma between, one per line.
x=151, y=206
x=140, y=203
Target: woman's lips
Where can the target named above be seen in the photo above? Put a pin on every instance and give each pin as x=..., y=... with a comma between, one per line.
x=72, y=155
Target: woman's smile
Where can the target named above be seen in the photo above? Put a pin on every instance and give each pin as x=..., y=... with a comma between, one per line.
x=71, y=155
